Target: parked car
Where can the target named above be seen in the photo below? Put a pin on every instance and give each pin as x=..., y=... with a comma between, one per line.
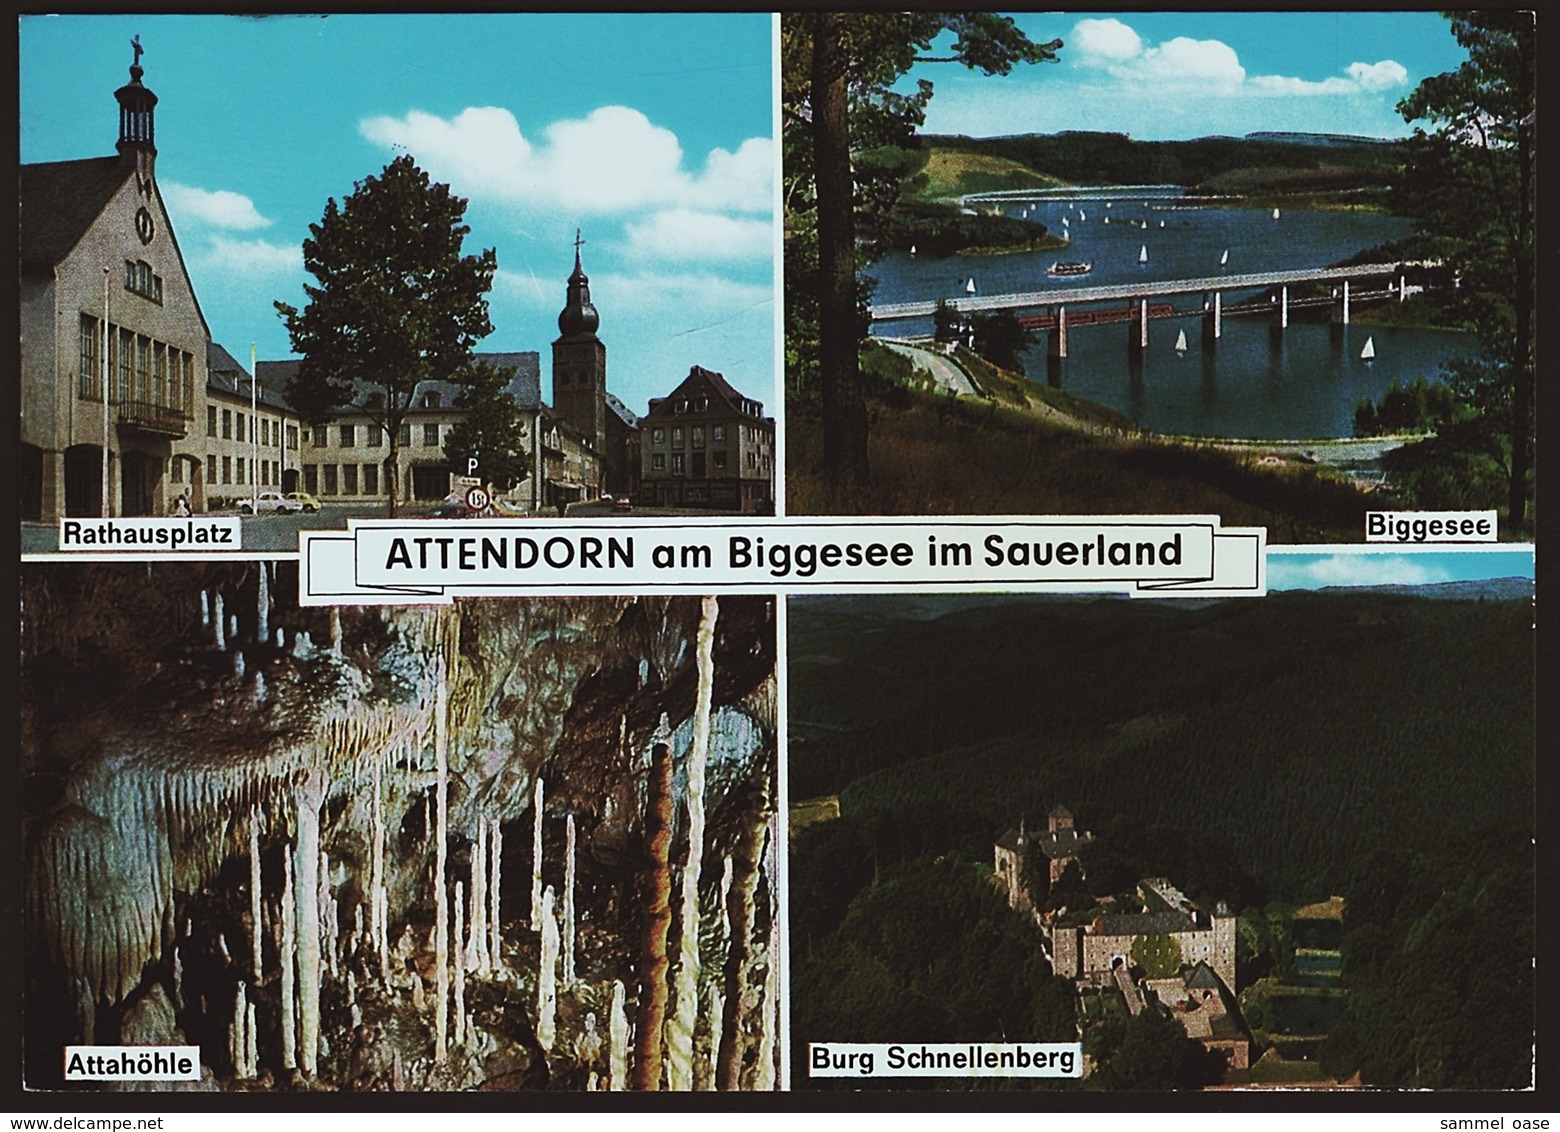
x=273, y=501
x=304, y=500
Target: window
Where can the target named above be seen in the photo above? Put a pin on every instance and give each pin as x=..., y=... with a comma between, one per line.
x=658, y=461
x=211, y=420
x=718, y=432
x=176, y=471
x=370, y=479
x=227, y=469
x=431, y=434
x=701, y=405
x=658, y=436
x=240, y=470
x=311, y=478
x=292, y=437
x=189, y=382
x=319, y=436
x=403, y=435
x=431, y=400
x=265, y=431
x=677, y=438
x=227, y=424
x=239, y=433
x=211, y=469
x=349, y=479
x=143, y=368
x=374, y=436
x=720, y=459
x=91, y=363
x=140, y=278
x=330, y=479
x=126, y=364
x=696, y=435
x=677, y=463
x=159, y=373
x=348, y=436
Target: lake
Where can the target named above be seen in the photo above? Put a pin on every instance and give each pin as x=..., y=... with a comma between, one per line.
x=1304, y=383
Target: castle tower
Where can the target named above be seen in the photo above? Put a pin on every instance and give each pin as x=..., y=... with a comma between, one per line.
x=137, y=106
x=1223, y=962
x=580, y=361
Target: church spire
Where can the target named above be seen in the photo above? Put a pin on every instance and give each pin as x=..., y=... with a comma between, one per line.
x=578, y=318
x=136, y=105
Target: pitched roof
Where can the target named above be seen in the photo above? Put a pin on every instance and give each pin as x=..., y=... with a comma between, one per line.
x=524, y=366
x=621, y=411
x=59, y=202
x=225, y=374
x=1143, y=923
x=697, y=376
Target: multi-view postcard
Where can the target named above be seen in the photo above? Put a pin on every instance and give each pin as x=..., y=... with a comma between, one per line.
x=816, y=553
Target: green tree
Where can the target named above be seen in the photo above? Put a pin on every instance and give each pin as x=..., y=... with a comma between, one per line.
x=1000, y=338
x=1157, y=955
x=396, y=302
x=492, y=432
x=1469, y=184
x=843, y=124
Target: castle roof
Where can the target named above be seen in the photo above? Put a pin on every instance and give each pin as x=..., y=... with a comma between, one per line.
x=1142, y=923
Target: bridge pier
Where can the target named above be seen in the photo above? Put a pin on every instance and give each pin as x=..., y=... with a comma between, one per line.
x=1056, y=337
x=1213, y=319
x=1137, y=341
x=1340, y=313
x=1283, y=307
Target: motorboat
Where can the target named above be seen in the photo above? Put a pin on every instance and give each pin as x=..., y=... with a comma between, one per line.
x=1069, y=267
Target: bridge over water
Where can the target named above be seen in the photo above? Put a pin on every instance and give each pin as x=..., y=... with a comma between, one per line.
x=1139, y=295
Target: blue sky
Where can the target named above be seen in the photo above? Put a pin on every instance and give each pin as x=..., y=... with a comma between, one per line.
x=1174, y=75
x=1393, y=566
x=650, y=133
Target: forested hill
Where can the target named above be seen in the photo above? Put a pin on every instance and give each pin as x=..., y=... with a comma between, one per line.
x=1260, y=164
x=1294, y=734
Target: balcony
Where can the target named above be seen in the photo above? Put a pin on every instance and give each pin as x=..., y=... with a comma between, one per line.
x=152, y=420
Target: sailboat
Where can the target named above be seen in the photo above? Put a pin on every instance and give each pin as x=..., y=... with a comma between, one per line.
x=1369, y=352
x=1082, y=215
x=969, y=288
x=1161, y=223
x=1180, y=342
x=1143, y=254
x=1107, y=220
x=1225, y=258
x=1275, y=214
x=912, y=249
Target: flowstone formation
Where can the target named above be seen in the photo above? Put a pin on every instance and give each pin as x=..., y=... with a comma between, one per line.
x=398, y=847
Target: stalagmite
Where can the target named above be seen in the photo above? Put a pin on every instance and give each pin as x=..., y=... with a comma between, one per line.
x=306, y=884
x=238, y=663
x=617, y=1034
x=335, y=629
x=476, y=946
x=238, y=1038
x=251, y=1042
x=218, y=621
x=679, y=1037
x=178, y=978
x=744, y=866
x=650, y=1014
x=547, y=976
x=232, y=629
x=205, y=609
x=378, y=929
x=715, y=1010
x=495, y=925
x=460, y=964
x=568, y=906
x=256, y=918
x=288, y=962
x=536, y=857
x=441, y=923
x=329, y=925
x=263, y=605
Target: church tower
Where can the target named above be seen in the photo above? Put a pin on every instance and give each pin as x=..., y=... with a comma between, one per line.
x=137, y=105
x=579, y=362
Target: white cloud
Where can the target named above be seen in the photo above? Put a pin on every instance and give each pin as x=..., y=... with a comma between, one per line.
x=706, y=298
x=613, y=160
x=1350, y=570
x=1203, y=62
x=1110, y=41
x=251, y=257
x=1378, y=76
x=220, y=208
x=683, y=234
x=1364, y=78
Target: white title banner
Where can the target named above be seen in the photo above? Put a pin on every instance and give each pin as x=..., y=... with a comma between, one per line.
x=433, y=560
x=196, y=536
x=945, y=1059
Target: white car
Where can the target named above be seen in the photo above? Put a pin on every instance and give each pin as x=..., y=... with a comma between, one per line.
x=269, y=501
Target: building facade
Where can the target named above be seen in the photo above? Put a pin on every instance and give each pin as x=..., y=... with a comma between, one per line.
x=244, y=441
x=113, y=341
x=706, y=445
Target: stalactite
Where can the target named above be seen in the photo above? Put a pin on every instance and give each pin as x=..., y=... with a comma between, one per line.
x=547, y=976
x=205, y=610
x=679, y=1037
x=378, y=929
x=460, y=964
x=308, y=797
x=765, y=1075
x=263, y=606
x=476, y=946
x=335, y=630
x=744, y=868
x=233, y=629
x=218, y=621
x=178, y=978
x=714, y=1010
x=568, y=906
x=441, y=926
x=617, y=1034
x=329, y=923
x=650, y=1014
x=257, y=924
x=495, y=924
x=289, y=963
x=536, y=857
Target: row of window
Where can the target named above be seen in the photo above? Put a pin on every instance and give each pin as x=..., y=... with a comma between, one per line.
x=232, y=471
x=343, y=479
x=142, y=369
x=140, y=278
x=373, y=436
x=717, y=460
x=695, y=435
x=233, y=428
